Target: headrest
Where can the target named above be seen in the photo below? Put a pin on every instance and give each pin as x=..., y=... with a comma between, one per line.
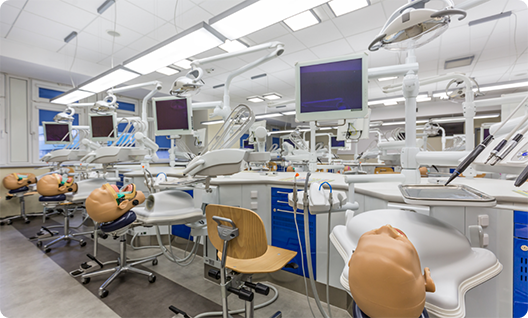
x=127, y=192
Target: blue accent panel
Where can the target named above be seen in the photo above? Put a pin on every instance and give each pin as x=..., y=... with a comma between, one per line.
x=520, y=230
x=48, y=93
x=47, y=115
x=126, y=106
x=183, y=230
x=120, y=183
x=163, y=142
x=244, y=137
x=284, y=233
x=520, y=217
x=520, y=277
x=275, y=140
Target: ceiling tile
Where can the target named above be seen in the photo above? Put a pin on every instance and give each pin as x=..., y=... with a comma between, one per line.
x=95, y=43
x=332, y=49
x=100, y=26
x=300, y=56
x=163, y=32
x=62, y=12
x=119, y=56
x=291, y=44
x=132, y=17
x=216, y=7
x=42, y=26
x=143, y=44
x=86, y=54
x=16, y=3
x=360, y=42
x=4, y=28
x=361, y=20
x=164, y=9
x=8, y=13
x=35, y=39
x=191, y=18
x=318, y=34
x=268, y=34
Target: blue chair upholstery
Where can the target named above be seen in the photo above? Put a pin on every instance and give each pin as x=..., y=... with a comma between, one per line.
x=357, y=313
x=23, y=189
x=120, y=222
x=60, y=197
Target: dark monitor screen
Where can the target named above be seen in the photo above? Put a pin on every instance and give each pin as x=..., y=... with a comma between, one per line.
x=57, y=133
x=248, y=145
x=331, y=86
x=172, y=116
x=103, y=126
x=336, y=143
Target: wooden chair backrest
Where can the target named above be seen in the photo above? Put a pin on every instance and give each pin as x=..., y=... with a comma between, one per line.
x=251, y=241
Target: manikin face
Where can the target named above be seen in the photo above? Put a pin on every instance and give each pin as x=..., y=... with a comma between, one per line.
x=18, y=180
x=53, y=184
x=102, y=204
x=385, y=275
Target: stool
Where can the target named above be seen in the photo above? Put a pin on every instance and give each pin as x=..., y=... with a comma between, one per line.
x=357, y=313
x=120, y=226
x=20, y=193
x=54, y=201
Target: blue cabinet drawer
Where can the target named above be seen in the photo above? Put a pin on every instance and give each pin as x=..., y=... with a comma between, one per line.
x=520, y=277
x=520, y=217
x=182, y=230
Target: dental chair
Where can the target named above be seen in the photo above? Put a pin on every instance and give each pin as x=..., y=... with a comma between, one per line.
x=19, y=186
x=455, y=266
x=53, y=189
x=240, y=238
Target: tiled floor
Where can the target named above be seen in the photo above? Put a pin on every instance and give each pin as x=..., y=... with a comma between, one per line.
x=32, y=284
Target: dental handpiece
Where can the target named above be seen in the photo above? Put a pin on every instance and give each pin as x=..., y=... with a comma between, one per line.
x=512, y=144
x=469, y=159
x=522, y=177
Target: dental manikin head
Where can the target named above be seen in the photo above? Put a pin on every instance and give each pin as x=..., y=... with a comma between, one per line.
x=385, y=275
x=14, y=181
x=54, y=184
x=107, y=203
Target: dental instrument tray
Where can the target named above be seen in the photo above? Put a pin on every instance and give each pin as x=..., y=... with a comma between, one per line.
x=440, y=195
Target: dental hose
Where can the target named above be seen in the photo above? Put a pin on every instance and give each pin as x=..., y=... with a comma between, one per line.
x=307, y=242
x=171, y=257
x=331, y=201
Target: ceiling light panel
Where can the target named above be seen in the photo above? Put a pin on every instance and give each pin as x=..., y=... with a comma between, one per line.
x=71, y=97
x=255, y=99
x=212, y=122
x=252, y=15
x=117, y=75
x=340, y=7
x=293, y=112
x=383, y=79
x=302, y=20
x=168, y=71
x=233, y=46
x=268, y=115
x=272, y=96
x=464, y=61
x=192, y=41
x=503, y=86
x=184, y=64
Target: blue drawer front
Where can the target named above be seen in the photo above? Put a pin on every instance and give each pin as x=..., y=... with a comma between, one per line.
x=520, y=230
x=284, y=233
x=183, y=230
x=520, y=217
x=520, y=277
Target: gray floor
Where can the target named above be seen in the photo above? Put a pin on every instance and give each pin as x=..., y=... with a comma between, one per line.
x=33, y=285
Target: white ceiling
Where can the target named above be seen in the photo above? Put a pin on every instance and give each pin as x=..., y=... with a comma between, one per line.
x=32, y=33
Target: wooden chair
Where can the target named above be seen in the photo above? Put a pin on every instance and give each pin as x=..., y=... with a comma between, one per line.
x=243, y=235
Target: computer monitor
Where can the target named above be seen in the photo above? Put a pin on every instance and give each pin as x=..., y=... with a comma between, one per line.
x=332, y=89
x=103, y=127
x=172, y=116
x=336, y=144
x=57, y=133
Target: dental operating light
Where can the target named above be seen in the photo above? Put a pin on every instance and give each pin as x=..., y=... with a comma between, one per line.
x=253, y=15
x=412, y=26
x=192, y=41
x=115, y=76
x=71, y=96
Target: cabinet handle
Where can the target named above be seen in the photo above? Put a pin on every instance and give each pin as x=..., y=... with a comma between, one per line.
x=285, y=211
x=278, y=201
x=281, y=192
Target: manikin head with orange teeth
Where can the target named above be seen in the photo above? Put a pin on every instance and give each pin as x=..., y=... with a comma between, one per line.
x=385, y=275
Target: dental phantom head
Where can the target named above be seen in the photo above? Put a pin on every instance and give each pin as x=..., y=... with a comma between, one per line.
x=18, y=180
x=385, y=275
x=107, y=203
x=54, y=184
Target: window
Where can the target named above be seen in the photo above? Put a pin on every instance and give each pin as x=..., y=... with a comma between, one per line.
x=47, y=115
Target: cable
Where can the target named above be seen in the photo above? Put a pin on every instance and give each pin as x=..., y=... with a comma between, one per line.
x=330, y=199
x=113, y=37
x=73, y=61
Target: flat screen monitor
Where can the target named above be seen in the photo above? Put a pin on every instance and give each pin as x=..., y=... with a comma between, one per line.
x=332, y=89
x=336, y=143
x=57, y=133
x=172, y=116
x=103, y=127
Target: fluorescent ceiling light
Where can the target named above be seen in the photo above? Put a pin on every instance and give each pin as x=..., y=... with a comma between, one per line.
x=395, y=123
x=192, y=41
x=268, y=115
x=463, y=61
x=395, y=101
x=108, y=79
x=167, y=70
x=212, y=122
x=423, y=98
x=503, y=86
x=383, y=79
x=293, y=112
x=327, y=128
x=184, y=64
x=280, y=132
x=71, y=97
x=107, y=4
x=253, y=15
x=233, y=46
x=255, y=99
x=340, y=7
x=272, y=96
x=441, y=95
x=302, y=20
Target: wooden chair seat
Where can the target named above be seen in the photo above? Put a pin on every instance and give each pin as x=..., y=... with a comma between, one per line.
x=273, y=260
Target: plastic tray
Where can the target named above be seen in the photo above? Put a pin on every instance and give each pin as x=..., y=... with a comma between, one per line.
x=435, y=194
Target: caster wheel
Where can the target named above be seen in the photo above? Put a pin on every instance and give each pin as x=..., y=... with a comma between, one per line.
x=83, y=243
x=27, y=221
x=103, y=293
x=9, y=222
x=155, y=262
x=39, y=244
x=71, y=216
x=152, y=279
x=92, y=236
x=85, y=281
x=2, y=223
x=104, y=236
x=47, y=250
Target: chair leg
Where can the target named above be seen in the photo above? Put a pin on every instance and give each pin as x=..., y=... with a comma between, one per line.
x=66, y=236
